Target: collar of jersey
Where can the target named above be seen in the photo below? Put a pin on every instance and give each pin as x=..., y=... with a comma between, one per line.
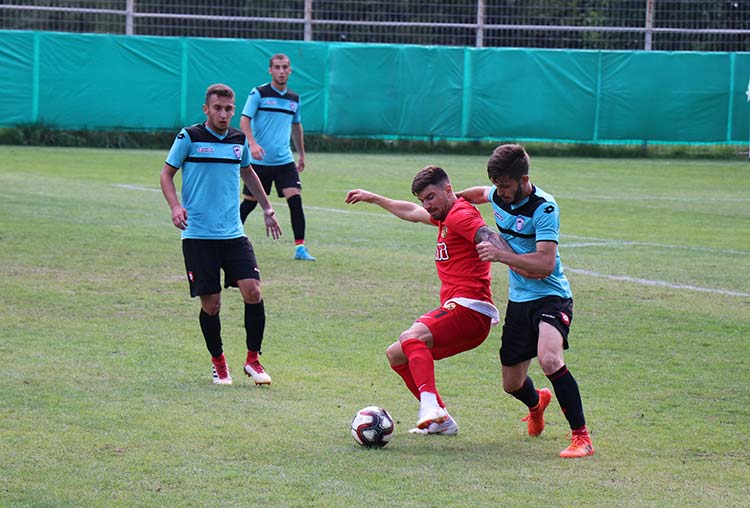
x=220, y=136
x=279, y=91
x=525, y=200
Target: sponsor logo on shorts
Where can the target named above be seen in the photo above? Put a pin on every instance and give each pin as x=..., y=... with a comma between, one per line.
x=191, y=278
x=565, y=318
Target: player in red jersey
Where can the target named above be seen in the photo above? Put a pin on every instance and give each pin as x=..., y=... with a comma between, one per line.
x=466, y=312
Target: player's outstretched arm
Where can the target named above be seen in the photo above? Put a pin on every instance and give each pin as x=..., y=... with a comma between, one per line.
x=476, y=195
x=402, y=209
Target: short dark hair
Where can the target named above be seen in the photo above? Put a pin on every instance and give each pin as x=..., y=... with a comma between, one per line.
x=278, y=56
x=220, y=90
x=428, y=175
x=510, y=161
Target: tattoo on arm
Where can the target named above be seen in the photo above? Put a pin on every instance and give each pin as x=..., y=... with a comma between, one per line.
x=485, y=234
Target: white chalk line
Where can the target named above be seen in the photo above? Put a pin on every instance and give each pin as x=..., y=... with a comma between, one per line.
x=658, y=283
x=589, y=242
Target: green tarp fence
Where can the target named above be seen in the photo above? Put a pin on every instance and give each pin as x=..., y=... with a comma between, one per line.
x=108, y=82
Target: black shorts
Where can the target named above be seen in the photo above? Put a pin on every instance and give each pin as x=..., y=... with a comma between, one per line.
x=284, y=176
x=204, y=260
x=521, y=327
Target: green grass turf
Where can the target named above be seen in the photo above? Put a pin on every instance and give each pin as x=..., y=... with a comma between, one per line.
x=105, y=381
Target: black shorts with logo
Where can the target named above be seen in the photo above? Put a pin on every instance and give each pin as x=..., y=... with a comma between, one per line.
x=204, y=260
x=521, y=326
x=284, y=176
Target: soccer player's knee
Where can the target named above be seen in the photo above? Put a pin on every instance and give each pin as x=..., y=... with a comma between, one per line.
x=211, y=308
x=512, y=385
x=395, y=355
x=550, y=362
x=252, y=294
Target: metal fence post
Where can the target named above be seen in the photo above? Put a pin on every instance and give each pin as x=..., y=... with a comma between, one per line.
x=647, y=43
x=129, y=17
x=480, y=23
x=308, y=19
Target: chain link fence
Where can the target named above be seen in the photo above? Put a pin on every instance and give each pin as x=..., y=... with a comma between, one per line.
x=669, y=25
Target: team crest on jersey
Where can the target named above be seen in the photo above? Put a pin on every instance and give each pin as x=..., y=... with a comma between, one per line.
x=293, y=106
x=449, y=306
x=443, y=232
x=205, y=149
x=520, y=221
x=237, y=151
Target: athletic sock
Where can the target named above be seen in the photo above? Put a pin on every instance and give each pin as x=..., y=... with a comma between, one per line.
x=568, y=396
x=405, y=373
x=421, y=364
x=527, y=393
x=211, y=328
x=297, y=216
x=252, y=356
x=246, y=207
x=255, y=325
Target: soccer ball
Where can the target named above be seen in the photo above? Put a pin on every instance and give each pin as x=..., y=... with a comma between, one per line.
x=372, y=427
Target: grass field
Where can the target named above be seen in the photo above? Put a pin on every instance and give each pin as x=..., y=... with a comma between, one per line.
x=106, y=393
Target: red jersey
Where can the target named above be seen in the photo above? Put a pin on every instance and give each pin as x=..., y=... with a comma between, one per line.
x=459, y=268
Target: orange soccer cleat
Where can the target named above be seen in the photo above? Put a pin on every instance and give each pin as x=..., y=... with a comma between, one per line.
x=535, y=418
x=580, y=446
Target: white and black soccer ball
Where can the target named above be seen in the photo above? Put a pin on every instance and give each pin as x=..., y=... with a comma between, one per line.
x=372, y=427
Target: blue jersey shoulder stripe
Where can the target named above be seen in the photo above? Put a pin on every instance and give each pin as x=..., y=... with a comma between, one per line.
x=528, y=208
x=515, y=233
x=199, y=134
x=268, y=91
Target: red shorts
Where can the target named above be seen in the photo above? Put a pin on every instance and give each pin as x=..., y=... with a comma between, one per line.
x=455, y=329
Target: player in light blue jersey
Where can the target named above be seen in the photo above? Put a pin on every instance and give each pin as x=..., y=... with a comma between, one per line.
x=213, y=156
x=270, y=116
x=540, y=303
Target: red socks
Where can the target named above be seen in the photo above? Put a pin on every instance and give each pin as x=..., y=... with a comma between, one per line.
x=421, y=368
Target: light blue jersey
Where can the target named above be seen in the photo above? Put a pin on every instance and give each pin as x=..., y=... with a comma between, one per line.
x=535, y=219
x=272, y=114
x=210, y=166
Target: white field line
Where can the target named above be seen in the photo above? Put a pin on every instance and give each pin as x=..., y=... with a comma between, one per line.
x=677, y=199
x=587, y=242
x=660, y=283
x=137, y=187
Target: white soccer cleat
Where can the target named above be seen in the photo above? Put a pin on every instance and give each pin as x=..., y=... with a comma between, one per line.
x=221, y=375
x=255, y=370
x=219, y=379
x=449, y=427
x=430, y=415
